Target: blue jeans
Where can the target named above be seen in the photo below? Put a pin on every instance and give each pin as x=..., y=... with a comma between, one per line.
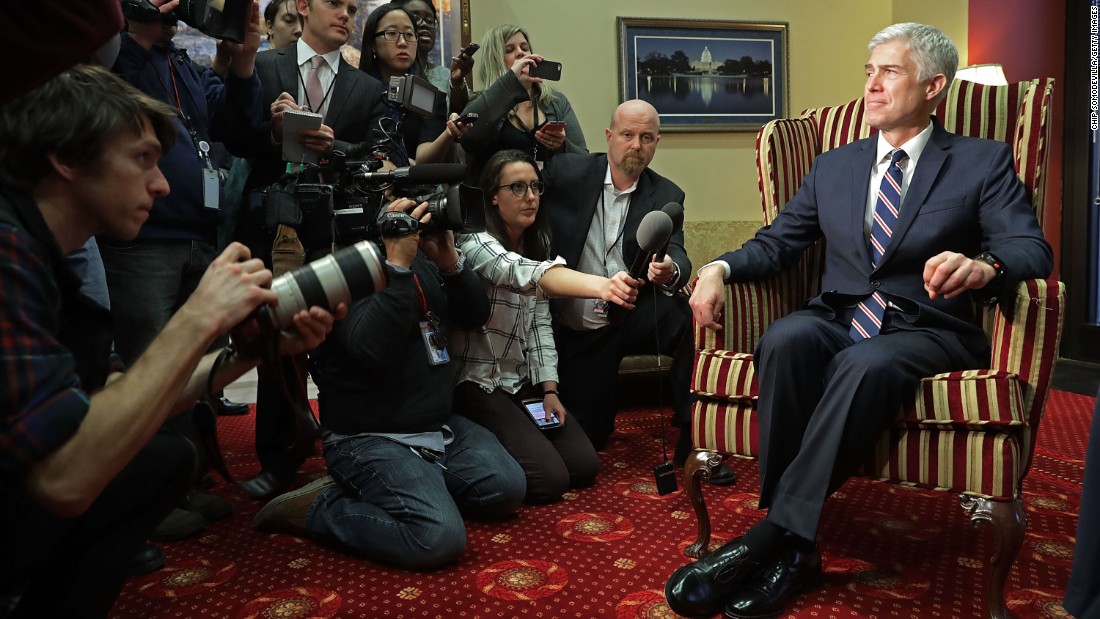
x=391, y=506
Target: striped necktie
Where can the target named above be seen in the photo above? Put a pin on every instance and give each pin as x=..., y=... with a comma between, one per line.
x=867, y=320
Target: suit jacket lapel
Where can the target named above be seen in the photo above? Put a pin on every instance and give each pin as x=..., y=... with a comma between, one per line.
x=342, y=88
x=928, y=169
x=861, y=181
x=641, y=203
x=287, y=72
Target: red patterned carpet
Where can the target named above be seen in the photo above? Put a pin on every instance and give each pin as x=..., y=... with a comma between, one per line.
x=606, y=551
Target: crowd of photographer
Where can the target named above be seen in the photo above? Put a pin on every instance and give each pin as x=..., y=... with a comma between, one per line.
x=440, y=287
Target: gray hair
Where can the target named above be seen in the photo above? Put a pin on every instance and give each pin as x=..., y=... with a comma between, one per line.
x=933, y=51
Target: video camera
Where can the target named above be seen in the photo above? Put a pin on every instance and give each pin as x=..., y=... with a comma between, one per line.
x=351, y=194
x=414, y=94
x=221, y=19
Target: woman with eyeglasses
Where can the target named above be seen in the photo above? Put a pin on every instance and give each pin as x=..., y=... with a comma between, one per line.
x=390, y=50
x=516, y=110
x=452, y=81
x=512, y=357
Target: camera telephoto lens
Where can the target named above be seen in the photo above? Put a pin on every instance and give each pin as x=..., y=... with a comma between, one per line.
x=344, y=276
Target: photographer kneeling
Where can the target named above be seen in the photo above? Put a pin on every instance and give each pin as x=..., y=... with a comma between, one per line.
x=84, y=475
x=403, y=468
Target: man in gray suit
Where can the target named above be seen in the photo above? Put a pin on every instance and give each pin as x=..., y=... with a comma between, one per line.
x=310, y=74
x=920, y=224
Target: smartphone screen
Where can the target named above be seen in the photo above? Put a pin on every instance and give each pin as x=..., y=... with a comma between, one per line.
x=538, y=414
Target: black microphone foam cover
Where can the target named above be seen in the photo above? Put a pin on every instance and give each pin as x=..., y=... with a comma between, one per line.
x=431, y=173
x=654, y=231
x=675, y=212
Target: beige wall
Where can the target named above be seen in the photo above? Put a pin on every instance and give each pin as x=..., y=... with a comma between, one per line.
x=717, y=170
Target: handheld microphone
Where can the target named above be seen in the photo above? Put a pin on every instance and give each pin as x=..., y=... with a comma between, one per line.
x=653, y=233
x=675, y=212
x=422, y=174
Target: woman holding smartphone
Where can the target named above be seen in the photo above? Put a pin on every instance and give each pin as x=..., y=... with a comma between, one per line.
x=517, y=110
x=390, y=50
x=512, y=359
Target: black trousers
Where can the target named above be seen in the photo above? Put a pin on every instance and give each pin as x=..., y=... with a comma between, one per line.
x=824, y=400
x=1083, y=590
x=76, y=567
x=553, y=460
x=588, y=361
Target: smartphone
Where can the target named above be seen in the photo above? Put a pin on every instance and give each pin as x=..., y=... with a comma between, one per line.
x=538, y=414
x=547, y=70
x=467, y=119
x=555, y=123
x=470, y=50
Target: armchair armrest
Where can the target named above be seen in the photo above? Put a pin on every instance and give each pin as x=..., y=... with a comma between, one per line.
x=1025, y=333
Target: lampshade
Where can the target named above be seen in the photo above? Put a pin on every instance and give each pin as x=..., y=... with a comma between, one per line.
x=991, y=74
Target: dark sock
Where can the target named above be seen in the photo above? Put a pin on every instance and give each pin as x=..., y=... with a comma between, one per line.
x=801, y=544
x=765, y=535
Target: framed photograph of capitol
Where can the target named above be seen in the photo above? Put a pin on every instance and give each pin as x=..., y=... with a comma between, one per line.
x=705, y=75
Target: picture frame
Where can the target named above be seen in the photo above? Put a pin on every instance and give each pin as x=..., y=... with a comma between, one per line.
x=706, y=75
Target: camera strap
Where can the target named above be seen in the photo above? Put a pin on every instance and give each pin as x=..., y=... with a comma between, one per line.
x=435, y=341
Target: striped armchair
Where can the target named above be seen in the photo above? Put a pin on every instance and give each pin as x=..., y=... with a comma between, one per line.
x=970, y=432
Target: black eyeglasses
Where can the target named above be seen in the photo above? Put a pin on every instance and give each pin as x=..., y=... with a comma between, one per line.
x=392, y=35
x=427, y=20
x=519, y=188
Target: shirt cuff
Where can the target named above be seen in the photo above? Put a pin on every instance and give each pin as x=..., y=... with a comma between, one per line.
x=725, y=269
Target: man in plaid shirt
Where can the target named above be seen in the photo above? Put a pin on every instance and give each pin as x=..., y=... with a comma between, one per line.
x=84, y=477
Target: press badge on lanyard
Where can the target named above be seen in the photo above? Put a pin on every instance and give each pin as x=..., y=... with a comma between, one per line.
x=211, y=183
x=435, y=342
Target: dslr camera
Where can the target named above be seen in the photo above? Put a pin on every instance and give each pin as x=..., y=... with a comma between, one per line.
x=221, y=19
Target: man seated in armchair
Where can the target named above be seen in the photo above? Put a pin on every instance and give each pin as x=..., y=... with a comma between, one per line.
x=920, y=225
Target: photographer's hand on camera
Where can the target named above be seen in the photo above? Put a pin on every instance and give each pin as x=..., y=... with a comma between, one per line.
x=455, y=129
x=439, y=247
x=401, y=250
x=240, y=58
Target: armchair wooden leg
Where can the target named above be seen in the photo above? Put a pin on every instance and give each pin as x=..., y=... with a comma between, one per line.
x=700, y=465
x=1009, y=524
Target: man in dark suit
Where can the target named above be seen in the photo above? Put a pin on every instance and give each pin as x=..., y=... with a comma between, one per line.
x=596, y=203
x=351, y=104
x=830, y=380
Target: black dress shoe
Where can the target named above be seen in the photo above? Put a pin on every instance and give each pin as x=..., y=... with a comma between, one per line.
x=268, y=483
x=224, y=408
x=700, y=589
x=766, y=595
x=146, y=560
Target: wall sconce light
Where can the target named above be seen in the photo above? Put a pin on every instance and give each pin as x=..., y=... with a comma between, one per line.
x=991, y=74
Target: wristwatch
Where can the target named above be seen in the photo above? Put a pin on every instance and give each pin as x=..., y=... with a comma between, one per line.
x=994, y=283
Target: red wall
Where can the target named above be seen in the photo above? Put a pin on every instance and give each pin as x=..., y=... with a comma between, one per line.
x=1028, y=38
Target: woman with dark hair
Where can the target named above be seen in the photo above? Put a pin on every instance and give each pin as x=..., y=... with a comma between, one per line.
x=516, y=110
x=512, y=357
x=389, y=50
x=282, y=24
x=452, y=81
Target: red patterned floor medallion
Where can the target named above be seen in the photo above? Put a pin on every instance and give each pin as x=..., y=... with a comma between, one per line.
x=1028, y=603
x=183, y=578
x=641, y=488
x=293, y=603
x=742, y=503
x=887, y=583
x=594, y=527
x=522, y=579
x=648, y=604
x=1051, y=548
